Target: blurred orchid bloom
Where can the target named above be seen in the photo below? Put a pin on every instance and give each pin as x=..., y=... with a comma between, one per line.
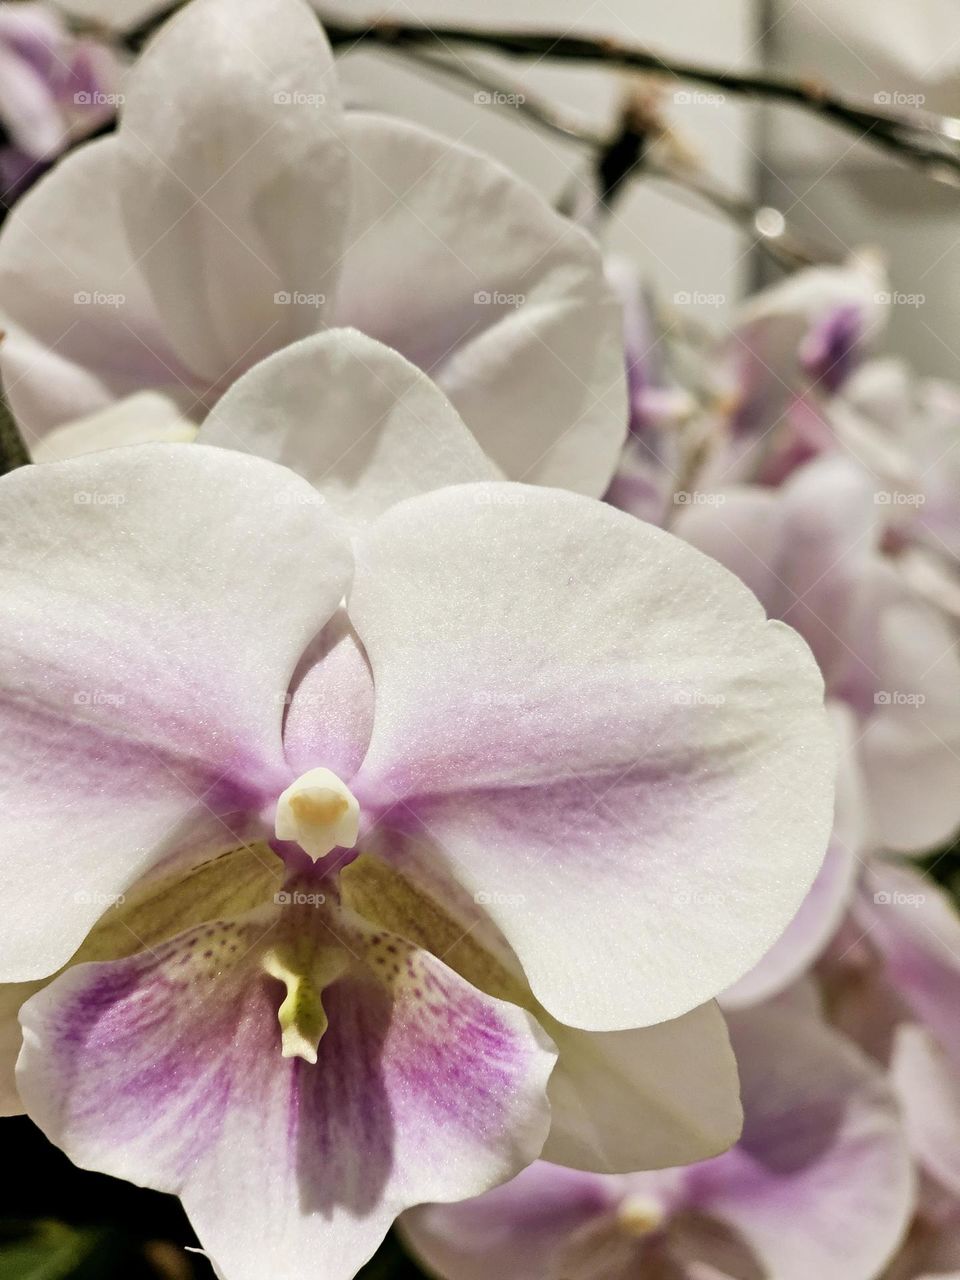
x=52, y=88
x=651, y=465
x=710, y=412
x=813, y=553
x=791, y=346
x=458, y=788
x=903, y=430
x=820, y=1185
x=892, y=982
x=238, y=208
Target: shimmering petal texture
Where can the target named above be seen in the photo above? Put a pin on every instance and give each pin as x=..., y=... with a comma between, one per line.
x=165, y=1069
x=518, y=326
x=605, y=719
x=151, y=693
x=64, y=357
x=819, y=1185
x=233, y=174
x=365, y=426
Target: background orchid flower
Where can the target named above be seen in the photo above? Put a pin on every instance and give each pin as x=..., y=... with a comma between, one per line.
x=239, y=208
x=551, y=731
x=52, y=87
x=891, y=980
x=819, y=1185
x=813, y=552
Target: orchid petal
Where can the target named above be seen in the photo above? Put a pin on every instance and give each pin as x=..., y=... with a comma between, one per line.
x=519, y=326
x=165, y=1068
x=808, y=934
x=144, y=418
x=916, y=928
x=364, y=426
x=12, y=996
x=234, y=179
x=619, y=719
x=821, y=1183
x=620, y=1100
x=929, y=1088
x=645, y=1099
x=82, y=330
x=145, y=669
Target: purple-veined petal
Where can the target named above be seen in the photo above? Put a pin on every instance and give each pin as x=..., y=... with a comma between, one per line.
x=158, y=600
x=165, y=1068
x=601, y=732
x=356, y=419
x=821, y=1183
x=620, y=1100
x=517, y=1231
x=519, y=326
x=234, y=179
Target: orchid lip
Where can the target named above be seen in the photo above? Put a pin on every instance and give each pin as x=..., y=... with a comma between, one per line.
x=319, y=813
